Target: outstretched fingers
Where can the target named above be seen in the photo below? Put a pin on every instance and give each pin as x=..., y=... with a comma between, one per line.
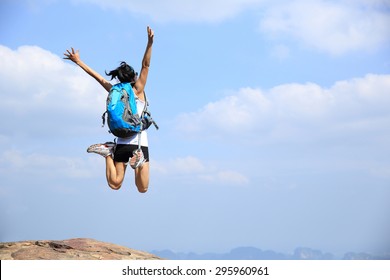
x=71, y=55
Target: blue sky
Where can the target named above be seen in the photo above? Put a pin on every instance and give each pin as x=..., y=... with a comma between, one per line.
x=274, y=124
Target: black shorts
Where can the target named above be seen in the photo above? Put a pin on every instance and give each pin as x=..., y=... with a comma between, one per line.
x=124, y=152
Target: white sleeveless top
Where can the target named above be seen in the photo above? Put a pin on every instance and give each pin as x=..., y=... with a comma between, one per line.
x=134, y=139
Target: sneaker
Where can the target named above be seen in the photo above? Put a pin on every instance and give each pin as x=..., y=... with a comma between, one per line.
x=139, y=159
x=104, y=149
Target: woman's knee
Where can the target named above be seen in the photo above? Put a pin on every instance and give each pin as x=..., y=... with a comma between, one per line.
x=115, y=185
x=142, y=188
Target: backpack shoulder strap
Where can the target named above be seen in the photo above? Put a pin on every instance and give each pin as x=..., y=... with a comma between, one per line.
x=146, y=105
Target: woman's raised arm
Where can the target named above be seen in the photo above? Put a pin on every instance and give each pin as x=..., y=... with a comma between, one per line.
x=75, y=57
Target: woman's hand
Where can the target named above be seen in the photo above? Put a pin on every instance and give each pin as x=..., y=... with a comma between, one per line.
x=72, y=55
x=150, y=35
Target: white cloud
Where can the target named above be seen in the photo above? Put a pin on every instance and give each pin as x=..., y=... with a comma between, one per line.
x=302, y=112
x=334, y=27
x=47, y=106
x=233, y=113
x=42, y=93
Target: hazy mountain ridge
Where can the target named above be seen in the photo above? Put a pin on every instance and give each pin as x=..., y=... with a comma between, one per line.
x=252, y=253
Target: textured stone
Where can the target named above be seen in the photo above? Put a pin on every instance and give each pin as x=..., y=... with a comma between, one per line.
x=70, y=249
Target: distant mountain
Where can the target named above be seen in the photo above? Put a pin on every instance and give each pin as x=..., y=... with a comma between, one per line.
x=252, y=253
x=365, y=256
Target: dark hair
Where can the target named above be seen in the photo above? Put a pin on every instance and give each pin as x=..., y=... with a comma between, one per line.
x=125, y=73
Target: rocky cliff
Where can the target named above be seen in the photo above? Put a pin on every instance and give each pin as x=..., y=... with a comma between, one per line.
x=70, y=249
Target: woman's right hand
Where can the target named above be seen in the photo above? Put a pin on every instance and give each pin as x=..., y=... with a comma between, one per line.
x=72, y=55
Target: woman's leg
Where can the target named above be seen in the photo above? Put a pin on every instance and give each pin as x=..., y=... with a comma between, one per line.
x=115, y=173
x=140, y=163
x=142, y=177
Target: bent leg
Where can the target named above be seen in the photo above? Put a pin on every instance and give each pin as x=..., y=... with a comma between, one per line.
x=115, y=173
x=142, y=177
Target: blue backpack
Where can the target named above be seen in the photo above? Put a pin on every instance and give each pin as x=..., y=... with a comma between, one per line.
x=122, y=117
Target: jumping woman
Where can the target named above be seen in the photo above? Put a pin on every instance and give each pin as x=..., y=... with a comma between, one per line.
x=125, y=150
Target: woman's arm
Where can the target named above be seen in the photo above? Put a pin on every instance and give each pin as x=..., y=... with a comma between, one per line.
x=143, y=76
x=75, y=57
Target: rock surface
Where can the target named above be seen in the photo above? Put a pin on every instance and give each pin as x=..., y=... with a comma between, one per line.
x=70, y=249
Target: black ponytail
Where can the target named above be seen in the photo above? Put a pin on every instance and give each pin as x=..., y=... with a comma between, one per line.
x=125, y=73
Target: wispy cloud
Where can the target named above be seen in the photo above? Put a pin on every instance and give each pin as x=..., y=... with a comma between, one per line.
x=334, y=27
x=191, y=169
x=40, y=164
